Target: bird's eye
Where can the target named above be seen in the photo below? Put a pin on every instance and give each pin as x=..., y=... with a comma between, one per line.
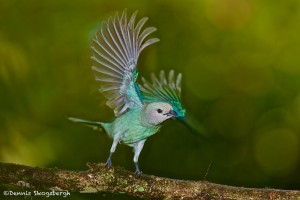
x=159, y=110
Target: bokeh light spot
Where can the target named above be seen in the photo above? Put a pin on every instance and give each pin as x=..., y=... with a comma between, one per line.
x=250, y=81
x=277, y=151
x=13, y=62
x=228, y=14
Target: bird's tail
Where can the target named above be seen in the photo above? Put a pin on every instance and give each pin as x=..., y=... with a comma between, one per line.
x=99, y=126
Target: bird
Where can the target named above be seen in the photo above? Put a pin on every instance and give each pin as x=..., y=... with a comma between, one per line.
x=139, y=108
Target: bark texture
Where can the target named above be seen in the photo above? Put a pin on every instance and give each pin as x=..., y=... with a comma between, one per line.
x=118, y=180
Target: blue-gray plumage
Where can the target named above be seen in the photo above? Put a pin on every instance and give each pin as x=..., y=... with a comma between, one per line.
x=139, y=109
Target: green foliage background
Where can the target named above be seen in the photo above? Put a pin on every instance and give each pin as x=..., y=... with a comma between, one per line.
x=241, y=79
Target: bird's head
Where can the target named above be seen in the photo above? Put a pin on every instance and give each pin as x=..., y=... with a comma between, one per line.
x=157, y=112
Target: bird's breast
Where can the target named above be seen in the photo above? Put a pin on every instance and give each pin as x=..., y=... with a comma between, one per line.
x=131, y=127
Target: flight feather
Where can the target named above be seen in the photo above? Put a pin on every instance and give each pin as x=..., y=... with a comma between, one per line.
x=116, y=48
x=163, y=89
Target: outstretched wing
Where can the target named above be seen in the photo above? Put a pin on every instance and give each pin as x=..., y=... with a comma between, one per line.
x=116, y=48
x=164, y=90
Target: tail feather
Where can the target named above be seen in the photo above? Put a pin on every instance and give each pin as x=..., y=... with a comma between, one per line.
x=95, y=125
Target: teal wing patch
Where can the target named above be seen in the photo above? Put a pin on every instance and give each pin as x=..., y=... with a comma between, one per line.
x=164, y=90
x=116, y=48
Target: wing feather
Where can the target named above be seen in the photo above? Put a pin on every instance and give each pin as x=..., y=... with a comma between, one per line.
x=164, y=90
x=108, y=73
x=120, y=37
x=111, y=47
x=109, y=53
x=116, y=48
x=145, y=33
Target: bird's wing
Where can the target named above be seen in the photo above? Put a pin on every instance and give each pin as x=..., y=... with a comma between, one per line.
x=164, y=90
x=116, y=48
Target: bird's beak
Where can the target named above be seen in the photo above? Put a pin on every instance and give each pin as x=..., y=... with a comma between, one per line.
x=171, y=113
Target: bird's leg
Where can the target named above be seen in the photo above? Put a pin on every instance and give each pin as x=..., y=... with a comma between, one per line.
x=138, y=146
x=108, y=161
x=112, y=150
x=137, y=170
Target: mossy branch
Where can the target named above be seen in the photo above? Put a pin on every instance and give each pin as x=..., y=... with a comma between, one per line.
x=118, y=180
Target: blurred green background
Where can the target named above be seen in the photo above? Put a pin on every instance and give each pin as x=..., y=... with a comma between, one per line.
x=241, y=79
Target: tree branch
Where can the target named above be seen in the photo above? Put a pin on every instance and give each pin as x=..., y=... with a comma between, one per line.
x=118, y=180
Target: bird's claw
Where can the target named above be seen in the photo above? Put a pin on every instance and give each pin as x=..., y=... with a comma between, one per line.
x=108, y=164
x=138, y=172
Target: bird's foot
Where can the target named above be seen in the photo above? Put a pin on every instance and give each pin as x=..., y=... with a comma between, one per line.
x=138, y=172
x=108, y=164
